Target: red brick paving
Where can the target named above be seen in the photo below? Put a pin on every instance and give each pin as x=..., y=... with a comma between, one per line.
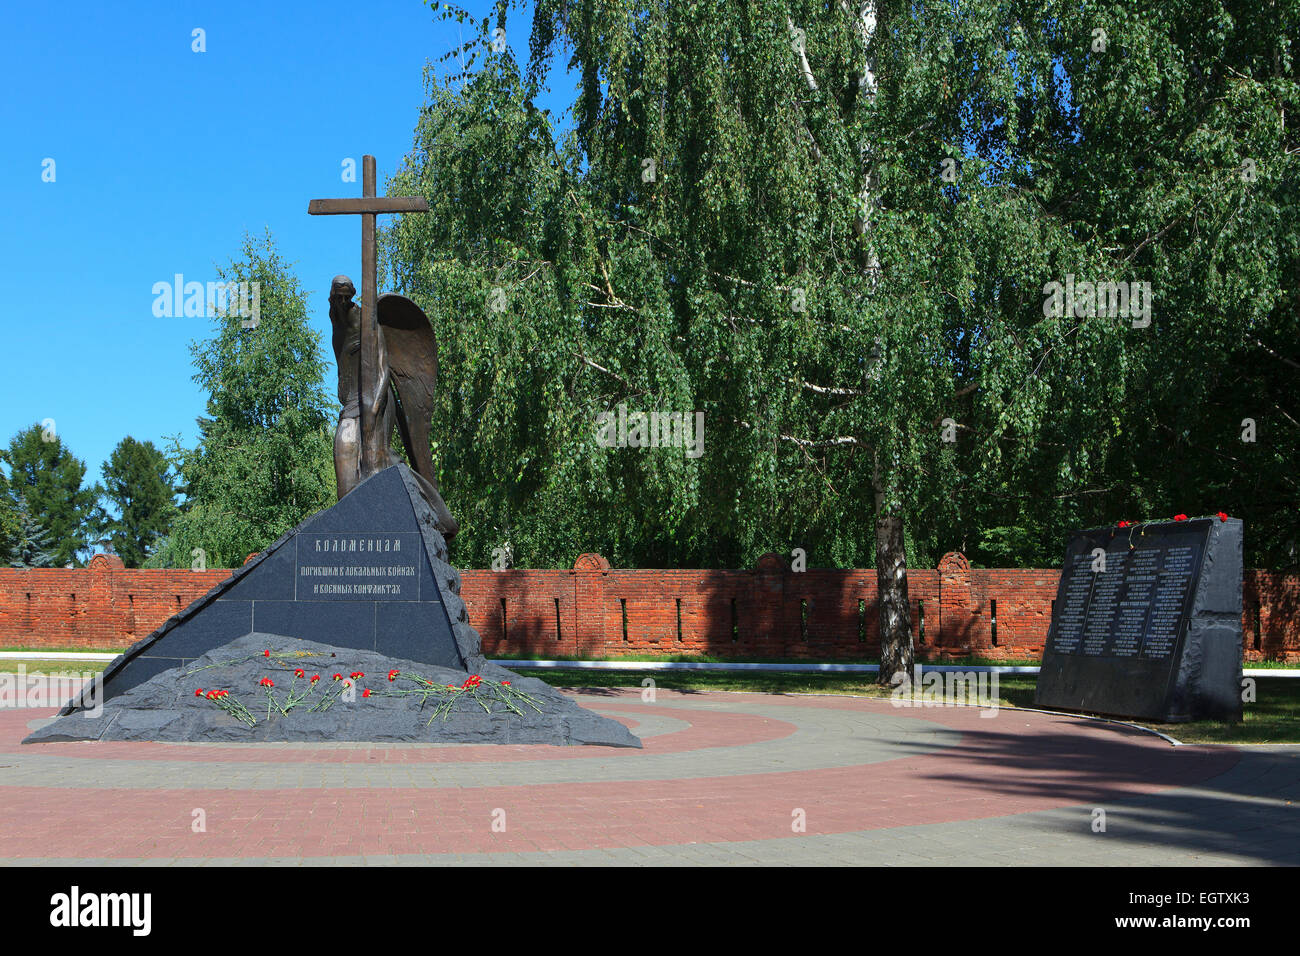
x=706, y=729
x=1017, y=763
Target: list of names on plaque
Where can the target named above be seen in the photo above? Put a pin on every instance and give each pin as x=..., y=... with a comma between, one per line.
x=1167, y=602
x=1071, y=617
x=1131, y=617
x=1131, y=608
x=1101, y=608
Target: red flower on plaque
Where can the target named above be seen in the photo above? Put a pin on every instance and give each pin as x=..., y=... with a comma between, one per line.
x=212, y=695
x=338, y=677
x=1221, y=516
x=355, y=674
x=1123, y=524
x=347, y=683
x=300, y=673
x=223, y=693
x=392, y=675
x=266, y=653
x=1180, y=517
x=315, y=678
x=505, y=683
x=267, y=682
x=366, y=692
x=199, y=692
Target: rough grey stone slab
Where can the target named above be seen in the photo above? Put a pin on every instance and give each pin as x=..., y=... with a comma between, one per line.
x=165, y=708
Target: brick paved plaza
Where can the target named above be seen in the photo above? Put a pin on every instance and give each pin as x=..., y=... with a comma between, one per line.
x=722, y=779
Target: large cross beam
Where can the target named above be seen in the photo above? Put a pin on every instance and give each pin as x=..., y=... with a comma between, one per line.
x=368, y=206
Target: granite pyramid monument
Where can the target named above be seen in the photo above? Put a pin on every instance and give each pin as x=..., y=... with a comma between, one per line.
x=365, y=584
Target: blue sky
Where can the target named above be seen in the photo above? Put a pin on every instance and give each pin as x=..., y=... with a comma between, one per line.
x=163, y=158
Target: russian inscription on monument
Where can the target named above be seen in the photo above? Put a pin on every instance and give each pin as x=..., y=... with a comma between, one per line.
x=1147, y=623
x=372, y=566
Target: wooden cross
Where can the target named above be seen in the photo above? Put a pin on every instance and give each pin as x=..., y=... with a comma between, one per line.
x=368, y=206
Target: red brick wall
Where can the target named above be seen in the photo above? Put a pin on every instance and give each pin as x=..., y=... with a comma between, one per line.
x=769, y=611
x=102, y=606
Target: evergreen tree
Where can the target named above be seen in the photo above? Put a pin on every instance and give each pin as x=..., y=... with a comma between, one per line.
x=46, y=478
x=10, y=521
x=138, y=486
x=33, y=544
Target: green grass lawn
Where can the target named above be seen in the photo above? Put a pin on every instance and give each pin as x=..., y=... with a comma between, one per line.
x=1273, y=718
x=69, y=668
x=62, y=650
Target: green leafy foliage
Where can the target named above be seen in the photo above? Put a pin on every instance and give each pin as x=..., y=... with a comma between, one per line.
x=837, y=270
x=264, y=461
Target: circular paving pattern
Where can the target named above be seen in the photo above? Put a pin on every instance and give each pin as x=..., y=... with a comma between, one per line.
x=723, y=778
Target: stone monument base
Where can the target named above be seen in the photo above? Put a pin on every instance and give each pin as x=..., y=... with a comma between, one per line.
x=166, y=707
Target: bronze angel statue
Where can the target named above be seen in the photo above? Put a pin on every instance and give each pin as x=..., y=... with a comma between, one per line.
x=394, y=388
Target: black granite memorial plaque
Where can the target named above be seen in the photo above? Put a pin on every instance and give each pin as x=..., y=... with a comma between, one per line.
x=1147, y=623
x=370, y=573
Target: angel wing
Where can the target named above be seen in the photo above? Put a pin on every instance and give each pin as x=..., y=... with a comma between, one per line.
x=413, y=360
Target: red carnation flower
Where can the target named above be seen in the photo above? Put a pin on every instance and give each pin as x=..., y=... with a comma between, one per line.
x=315, y=678
x=267, y=682
x=299, y=673
x=505, y=683
x=392, y=675
x=1180, y=517
x=266, y=653
x=355, y=674
x=338, y=677
x=1222, y=516
x=366, y=692
x=199, y=692
x=212, y=695
x=1123, y=524
x=347, y=683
